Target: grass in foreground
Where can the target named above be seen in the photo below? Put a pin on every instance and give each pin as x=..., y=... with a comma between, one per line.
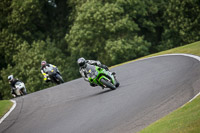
x=185, y=119
x=5, y=105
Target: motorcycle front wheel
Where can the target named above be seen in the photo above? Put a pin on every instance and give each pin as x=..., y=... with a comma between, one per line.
x=60, y=78
x=108, y=84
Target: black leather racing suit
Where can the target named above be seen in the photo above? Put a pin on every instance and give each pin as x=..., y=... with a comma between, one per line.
x=91, y=62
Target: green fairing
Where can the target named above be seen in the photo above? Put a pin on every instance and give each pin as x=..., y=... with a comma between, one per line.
x=95, y=74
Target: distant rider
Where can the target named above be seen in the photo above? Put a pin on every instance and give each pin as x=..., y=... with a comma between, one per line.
x=44, y=70
x=12, y=82
x=83, y=63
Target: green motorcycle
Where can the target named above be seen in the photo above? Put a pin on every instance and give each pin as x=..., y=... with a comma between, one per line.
x=101, y=77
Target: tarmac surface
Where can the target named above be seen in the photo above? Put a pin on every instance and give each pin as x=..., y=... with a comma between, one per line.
x=149, y=90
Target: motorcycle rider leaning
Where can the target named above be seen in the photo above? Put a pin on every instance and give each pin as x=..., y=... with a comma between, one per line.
x=44, y=70
x=12, y=82
x=83, y=63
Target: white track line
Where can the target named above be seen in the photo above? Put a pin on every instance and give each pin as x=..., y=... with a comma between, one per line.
x=188, y=55
x=12, y=108
x=198, y=58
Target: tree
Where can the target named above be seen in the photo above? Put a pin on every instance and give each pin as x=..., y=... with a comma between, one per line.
x=130, y=49
x=182, y=18
x=27, y=65
x=96, y=24
x=26, y=19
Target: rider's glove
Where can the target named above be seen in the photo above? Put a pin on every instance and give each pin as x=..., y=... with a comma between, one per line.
x=45, y=77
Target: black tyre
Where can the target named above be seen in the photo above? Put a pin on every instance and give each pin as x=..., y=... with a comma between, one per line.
x=108, y=84
x=60, y=78
x=117, y=83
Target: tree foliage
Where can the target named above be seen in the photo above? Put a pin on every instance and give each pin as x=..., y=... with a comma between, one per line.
x=98, y=23
x=182, y=23
x=111, y=31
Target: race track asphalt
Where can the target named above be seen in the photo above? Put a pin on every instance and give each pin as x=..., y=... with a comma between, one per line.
x=149, y=90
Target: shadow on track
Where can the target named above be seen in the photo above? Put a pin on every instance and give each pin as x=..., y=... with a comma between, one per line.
x=93, y=95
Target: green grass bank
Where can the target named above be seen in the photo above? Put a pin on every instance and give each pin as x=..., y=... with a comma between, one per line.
x=185, y=119
x=5, y=105
x=182, y=120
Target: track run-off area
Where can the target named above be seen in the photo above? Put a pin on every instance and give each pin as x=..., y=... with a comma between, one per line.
x=149, y=89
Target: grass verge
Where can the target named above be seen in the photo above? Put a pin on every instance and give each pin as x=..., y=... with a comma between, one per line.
x=185, y=119
x=193, y=48
x=5, y=105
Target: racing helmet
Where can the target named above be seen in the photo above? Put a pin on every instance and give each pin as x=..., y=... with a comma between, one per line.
x=81, y=62
x=10, y=78
x=43, y=63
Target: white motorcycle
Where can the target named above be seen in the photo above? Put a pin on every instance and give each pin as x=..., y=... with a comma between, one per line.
x=20, y=89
